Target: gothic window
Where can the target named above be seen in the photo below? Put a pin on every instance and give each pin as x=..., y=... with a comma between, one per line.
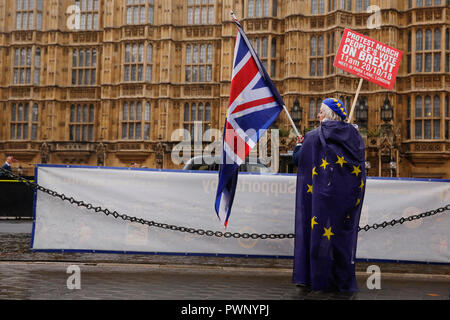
x=88, y=14
x=27, y=64
x=138, y=57
x=84, y=66
x=261, y=8
x=24, y=121
x=316, y=56
x=428, y=50
x=345, y=5
x=197, y=121
x=408, y=56
x=317, y=6
x=29, y=14
x=135, y=120
x=427, y=117
x=314, y=108
x=198, y=63
x=200, y=12
x=360, y=4
x=330, y=53
x=139, y=12
x=447, y=50
x=81, y=122
x=332, y=5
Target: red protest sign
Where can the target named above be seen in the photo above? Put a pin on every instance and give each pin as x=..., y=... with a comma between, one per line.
x=368, y=59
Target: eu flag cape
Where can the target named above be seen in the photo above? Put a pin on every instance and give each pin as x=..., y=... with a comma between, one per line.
x=330, y=192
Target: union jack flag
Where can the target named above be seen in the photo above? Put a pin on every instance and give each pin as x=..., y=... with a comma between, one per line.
x=253, y=106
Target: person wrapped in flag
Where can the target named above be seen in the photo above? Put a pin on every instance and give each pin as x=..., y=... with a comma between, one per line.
x=330, y=192
x=254, y=104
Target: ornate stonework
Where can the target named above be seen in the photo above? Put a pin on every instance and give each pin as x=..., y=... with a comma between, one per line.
x=64, y=80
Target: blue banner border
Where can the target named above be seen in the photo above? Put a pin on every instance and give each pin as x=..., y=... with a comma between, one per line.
x=36, y=178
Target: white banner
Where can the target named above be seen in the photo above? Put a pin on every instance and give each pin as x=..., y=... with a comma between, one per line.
x=263, y=204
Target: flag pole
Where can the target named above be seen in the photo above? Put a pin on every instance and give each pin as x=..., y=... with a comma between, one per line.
x=284, y=107
x=352, y=111
x=291, y=121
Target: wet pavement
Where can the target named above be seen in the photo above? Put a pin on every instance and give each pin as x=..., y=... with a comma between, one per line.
x=26, y=275
x=62, y=280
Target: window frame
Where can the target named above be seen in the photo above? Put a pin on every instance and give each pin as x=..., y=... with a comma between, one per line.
x=139, y=13
x=427, y=120
x=26, y=65
x=200, y=12
x=79, y=128
x=131, y=116
x=198, y=62
x=27, y=120
x=79, y=71
x=196, y=123
x=35, y=12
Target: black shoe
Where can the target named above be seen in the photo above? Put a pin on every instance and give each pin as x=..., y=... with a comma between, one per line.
x=303, y=288
x=343, y=295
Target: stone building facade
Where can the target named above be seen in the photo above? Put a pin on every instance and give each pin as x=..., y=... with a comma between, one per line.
x=110, y=82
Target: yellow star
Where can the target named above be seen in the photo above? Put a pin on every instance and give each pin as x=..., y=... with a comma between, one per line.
x=313, y=222
x=358, y=201
x=341, y=161
x=310, y=189
x=328, y=233
x=362, y=184
x=324, y=164
x=314, y=173
x=356, y=170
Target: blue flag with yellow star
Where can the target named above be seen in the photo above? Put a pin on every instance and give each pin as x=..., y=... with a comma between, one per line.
x=330, y=192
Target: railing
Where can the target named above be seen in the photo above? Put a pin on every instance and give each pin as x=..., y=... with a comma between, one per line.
x=16, y=199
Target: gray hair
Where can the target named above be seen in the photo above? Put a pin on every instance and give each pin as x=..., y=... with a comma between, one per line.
x=330, y=114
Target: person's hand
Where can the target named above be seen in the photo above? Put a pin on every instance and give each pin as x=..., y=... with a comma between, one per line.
x=300, y=139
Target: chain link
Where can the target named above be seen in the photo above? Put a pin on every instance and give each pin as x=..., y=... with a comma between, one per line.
x=202, y=232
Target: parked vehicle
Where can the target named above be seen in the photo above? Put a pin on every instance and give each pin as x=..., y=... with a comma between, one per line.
x=211, y=163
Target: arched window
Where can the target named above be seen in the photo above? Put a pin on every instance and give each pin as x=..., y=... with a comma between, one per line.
x=419, y=40
x=418, y=106
x=436, y=106
x=437, y=39
x=312, y=109
x=427, y=109
x=428, y=36
x=193, y=112
x=207, y=112
x=313, y=46
x=200, y=112
x=135, y=120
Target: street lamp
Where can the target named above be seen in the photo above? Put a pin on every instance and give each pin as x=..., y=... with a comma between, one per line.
x=296, y=111
x=362, y=111
x=387, y=111
x=368, y=166
x=386, y=115
x=393, y=166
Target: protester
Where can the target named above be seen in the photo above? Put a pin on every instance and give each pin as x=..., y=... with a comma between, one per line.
x=330, y=192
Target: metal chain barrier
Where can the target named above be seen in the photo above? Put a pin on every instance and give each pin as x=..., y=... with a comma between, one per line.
x=202, y=232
